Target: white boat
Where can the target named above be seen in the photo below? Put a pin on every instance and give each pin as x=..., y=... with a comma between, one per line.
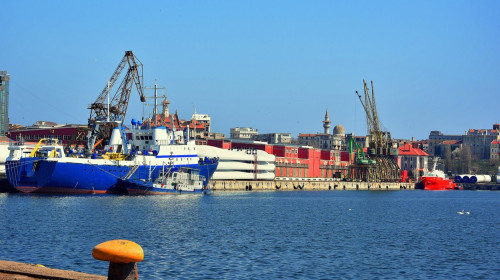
x=186, y=180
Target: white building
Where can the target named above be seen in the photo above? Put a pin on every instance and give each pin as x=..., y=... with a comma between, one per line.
x=246, y=133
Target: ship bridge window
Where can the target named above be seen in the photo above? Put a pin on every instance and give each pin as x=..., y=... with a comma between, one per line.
x=137, y=137
x=150, y=137
x=142, y=137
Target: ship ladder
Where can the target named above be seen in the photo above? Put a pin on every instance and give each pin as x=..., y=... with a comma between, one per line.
x=131, y=172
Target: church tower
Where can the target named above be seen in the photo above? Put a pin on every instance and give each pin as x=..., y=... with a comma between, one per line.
x=326, y=123
x=165, y=104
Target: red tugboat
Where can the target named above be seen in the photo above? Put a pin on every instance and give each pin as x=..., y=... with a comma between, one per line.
x=435, y=180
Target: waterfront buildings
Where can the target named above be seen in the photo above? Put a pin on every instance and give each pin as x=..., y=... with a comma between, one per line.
x=294, y=162
x=244, y=133
x=413, y=160
x=437, y=138
x=479, y=141
x=335, y=141
x=199, y=125
x=325, y=140
x=45, y=129
x=4, y=102
x=274, y=138
x=494, y=150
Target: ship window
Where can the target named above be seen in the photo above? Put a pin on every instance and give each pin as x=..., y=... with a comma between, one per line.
x=150, y=137
x=137, y=137
x=142, y=137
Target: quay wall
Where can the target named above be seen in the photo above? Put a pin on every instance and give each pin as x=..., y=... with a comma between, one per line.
x=287, y=185
x=481, y=187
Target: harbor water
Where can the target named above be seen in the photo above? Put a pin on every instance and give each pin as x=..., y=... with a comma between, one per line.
x=264, y=235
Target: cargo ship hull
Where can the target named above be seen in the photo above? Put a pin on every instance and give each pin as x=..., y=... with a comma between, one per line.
x=33, y=175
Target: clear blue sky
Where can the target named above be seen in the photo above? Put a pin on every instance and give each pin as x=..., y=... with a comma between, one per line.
x=272, y=65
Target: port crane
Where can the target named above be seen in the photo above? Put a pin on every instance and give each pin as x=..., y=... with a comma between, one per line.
x=107, y=112
x=383, y=166
x=378, y=139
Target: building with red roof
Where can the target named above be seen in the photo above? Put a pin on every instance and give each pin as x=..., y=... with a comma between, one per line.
x=479, y=141
x=198, y=125
x=413, y=160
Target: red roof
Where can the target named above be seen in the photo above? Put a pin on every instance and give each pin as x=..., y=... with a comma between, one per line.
x=306, y=135
x=408, y=150
x=451, y=142
x=495, y=142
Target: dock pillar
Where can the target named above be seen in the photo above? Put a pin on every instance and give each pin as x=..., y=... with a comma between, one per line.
x=123, y=256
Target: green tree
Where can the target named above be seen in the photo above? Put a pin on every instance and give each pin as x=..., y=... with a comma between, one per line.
x=447, y=158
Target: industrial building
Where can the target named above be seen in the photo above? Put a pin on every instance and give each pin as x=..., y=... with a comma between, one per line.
x=293, y=162
x=45, y=129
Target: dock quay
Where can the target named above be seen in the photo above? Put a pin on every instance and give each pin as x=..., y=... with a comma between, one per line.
x=481, y=187
x=10, y=270
x=305, y=185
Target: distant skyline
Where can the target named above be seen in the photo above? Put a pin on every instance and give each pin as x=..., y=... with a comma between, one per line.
x=275, y=66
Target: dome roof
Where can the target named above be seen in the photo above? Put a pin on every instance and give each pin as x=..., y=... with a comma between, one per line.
x=338, y=129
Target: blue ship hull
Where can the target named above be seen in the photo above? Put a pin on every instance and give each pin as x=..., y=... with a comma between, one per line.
x=45, y=176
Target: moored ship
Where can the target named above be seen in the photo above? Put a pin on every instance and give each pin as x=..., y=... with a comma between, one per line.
x=186, y=180
x=138, y=153
x=435, y=180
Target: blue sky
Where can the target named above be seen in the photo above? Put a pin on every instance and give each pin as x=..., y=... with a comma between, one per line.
x=272, y=65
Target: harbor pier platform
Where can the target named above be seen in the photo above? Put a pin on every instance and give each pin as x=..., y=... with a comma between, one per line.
x=22, y=271
x=305, y=185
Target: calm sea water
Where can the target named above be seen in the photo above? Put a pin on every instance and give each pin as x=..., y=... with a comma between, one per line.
x=264, y=235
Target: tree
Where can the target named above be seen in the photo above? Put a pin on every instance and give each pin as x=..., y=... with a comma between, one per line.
x=466, y=159
x=447, y=158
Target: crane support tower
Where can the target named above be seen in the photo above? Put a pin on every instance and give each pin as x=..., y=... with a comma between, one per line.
x=108, y=112
x=380, y=146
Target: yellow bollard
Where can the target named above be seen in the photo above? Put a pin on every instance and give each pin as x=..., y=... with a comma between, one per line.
x=123, y=256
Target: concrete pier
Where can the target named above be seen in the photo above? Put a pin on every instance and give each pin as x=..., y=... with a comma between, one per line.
x=305, y=185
